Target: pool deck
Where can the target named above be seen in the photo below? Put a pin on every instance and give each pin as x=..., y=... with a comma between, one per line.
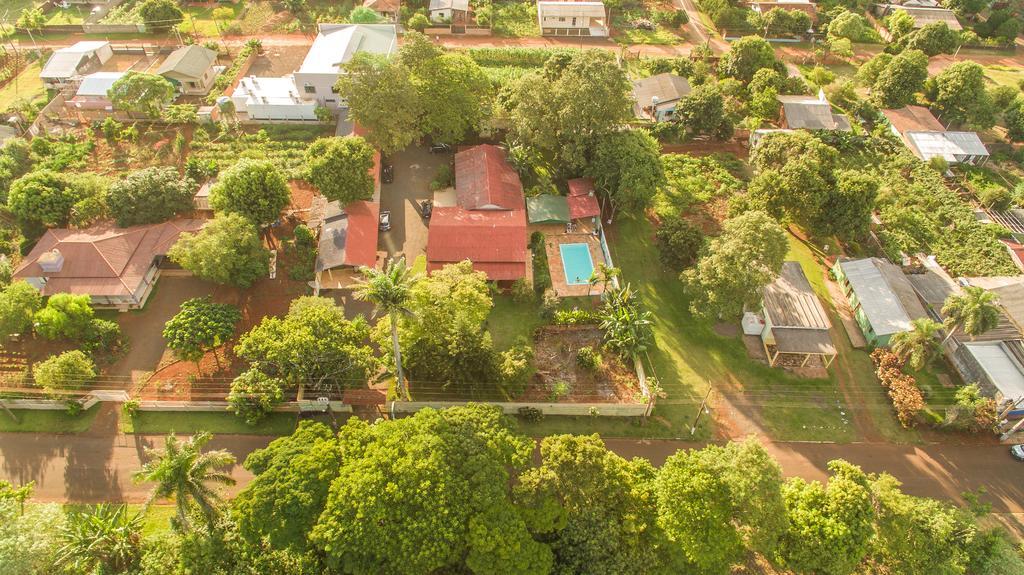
x=555, y=236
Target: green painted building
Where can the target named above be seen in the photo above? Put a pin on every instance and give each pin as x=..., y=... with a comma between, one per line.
x=882, y=299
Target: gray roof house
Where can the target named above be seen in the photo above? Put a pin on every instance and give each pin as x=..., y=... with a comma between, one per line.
x=927, y=138
x=190, y=69
x=796, y=327
x=811, y=113
x=75, y=60
x=655, y=98
x=881, y=297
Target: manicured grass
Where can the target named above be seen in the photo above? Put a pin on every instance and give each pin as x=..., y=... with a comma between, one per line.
x=48, y=421
x=212, y=421
x=510, y=320
x=1004, y=75
x=63, y=16
x=27, y=87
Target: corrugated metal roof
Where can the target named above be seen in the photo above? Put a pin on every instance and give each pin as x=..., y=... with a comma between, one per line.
x=449, y=4
x=547, y=208
x=570, y=9
x=789, y=301
x=483, y=237
x=801, y=340
x=583, y=207
x=337, y=43
x=485, y=180
x=913, y=119
x=98, y=84
x=190, y=61
x=807, y=113
x=997, y=363
x=884, y=293
x=666, y=87
x=348, y=236
x=64, y=62
x=924, y=16
x=581, y=186
x=946, y=145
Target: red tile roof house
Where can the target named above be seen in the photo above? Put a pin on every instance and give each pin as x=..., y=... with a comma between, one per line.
x=488, y=226
x=116, y=267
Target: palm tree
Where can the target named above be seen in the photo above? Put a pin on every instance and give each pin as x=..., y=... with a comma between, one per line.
x=181, y=471
x=918, y=345
x=975, y=311
x=103, y=539
x=388, y=290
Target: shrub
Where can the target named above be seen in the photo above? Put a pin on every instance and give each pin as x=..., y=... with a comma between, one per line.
x=69, y=370
x=588, y=359
x=522, y=292
x=150, y=195
x=303, y=253
x=672, y=18
x=111, y=128
x=679, y=244
x=102, y=337
x=516, y=366
x=576, y=316
x=443, y=178
x=65, y=316
x=130, y=408
x=559, y=389
x=906, y=397
x=531, y=414
x=541, y=272
x=419, y=22
x=254, y=394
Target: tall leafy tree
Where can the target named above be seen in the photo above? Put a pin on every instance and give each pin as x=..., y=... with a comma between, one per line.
x=595, y=508
x=103, y=539
x=975, y=311
x=65, y=316
x=846, y=210
x=69, y=370
x=161, y=15
x=199, y=327
x=738, y=264
x=900, y=79
x=142, y=93
x=313, y=344
x=918, y=345
x=381, y=98
x=746, y=56
x=717, y=503
x=42, y=197
x=453, y=90
x=934, y=38
x=340, y=168
x=182, y=471
x=427, y=493
x=389, y=291
x=567, y=105
x=289, y=491
x=227, y=250
x=959, y=95
x=703, y=112
x=149, y=195
x=255, y=189
x=19, y=301
x=29, y=536
x=830, y=527
x=254, y=394
x=626, y=166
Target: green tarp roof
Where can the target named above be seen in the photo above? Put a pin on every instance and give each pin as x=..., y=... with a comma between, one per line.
x=547, y=209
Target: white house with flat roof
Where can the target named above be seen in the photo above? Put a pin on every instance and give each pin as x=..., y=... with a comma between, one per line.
x=92, y=92
x=572, y=18
x=297, y=95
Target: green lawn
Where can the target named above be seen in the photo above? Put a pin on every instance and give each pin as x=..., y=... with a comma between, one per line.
x=47, y=421
x=216, y=423
x=199, y=19
x=510, y=320
x=27, y=86
x=62, y=16
x=1004, y=75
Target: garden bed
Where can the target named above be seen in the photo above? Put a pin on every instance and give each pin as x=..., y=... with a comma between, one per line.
x=560, y=378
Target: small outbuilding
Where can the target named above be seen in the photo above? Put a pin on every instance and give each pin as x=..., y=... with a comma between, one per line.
x=926, y=137
x=75, y=60
x=92, y=92
x=547, y=209
x=191, y=69
x=656, y=97
x=348, y=241
x=582, y=199
x=881, y=297
x=447, y=10
x=796, y=327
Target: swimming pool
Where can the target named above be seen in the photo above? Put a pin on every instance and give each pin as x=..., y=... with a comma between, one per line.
x=577, y=263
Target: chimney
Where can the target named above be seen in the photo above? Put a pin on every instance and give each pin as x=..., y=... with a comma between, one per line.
x=51, y=262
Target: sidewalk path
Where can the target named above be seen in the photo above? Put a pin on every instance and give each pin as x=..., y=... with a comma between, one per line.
x=98, y=468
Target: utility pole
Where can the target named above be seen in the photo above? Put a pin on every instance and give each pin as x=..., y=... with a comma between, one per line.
x=693, y=428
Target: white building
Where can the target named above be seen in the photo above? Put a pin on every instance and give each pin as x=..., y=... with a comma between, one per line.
x=67, y=63
x=296, y=96
x=572, y=18
x=447, y=10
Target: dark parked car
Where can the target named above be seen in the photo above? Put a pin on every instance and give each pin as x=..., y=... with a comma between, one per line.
x=385, y=221
x=440, y=149
x=426, y=208
x=1017, y=451
x=387, y=173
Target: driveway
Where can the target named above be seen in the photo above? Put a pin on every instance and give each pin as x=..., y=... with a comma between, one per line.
x=414, y=169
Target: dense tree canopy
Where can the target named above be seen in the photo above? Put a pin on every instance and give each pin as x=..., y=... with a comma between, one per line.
x=569, y=104
x=381, y=98
x=958, y=95
x=149, y=195
x=703, y=112
x=227, y=250
x=429, y=492
x=896, y=78
x=19, y=302
x=69, y=370
x=141, y=93
x=160, y=15
x=626, y=167
x=934, y=38
x=255, y=189
x=341, y=168
x=746, y=56
x=65, y=316
x=314, y=344
x=42, y=197
x=746, y=257
x=199, y=326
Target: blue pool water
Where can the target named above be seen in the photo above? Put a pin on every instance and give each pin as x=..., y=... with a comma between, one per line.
x=577, y=263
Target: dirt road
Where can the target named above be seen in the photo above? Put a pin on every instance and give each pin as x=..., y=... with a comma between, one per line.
x=99, y=468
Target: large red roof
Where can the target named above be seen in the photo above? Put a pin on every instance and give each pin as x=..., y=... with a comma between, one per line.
x=103, y=260
x=485, y=180
x=495, y=241
x=581, y=186
x=361, y=242
x=583, y=207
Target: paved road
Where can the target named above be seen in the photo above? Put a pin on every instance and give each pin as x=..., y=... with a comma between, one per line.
x=98, y=468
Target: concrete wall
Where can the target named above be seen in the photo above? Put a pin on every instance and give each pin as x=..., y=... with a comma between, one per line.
x=288, y=407
x=602, y=409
